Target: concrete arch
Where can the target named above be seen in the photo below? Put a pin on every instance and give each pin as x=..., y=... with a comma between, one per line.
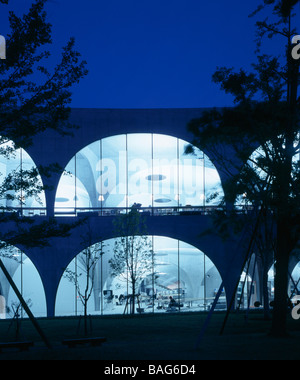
x=96, y=124
x=93, y=125
x=51, y=260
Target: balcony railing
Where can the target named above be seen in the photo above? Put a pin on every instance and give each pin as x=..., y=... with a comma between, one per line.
x=151, y=211
x=24, y=211
x=113, y=211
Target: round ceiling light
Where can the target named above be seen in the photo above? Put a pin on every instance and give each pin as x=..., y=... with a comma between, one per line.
x=162, y=200
x=156, y=177
x=61, y=199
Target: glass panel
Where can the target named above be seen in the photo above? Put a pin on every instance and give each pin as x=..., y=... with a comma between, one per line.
x=189, y=278
x=8, y=165
x=139, y=169
x=111, y=185
x=4, y=172
x=165, y=171
x=114, y=291
x=213, y=191
x=213, y=282
x=38, y=200
x=144, y=169
x=191, y=177
x=32, y=287
x=294, y=287
x=65, y=200
x=28, y=281
x=192, y=277
x=260, y=162
x=66, y=297
x=166, y=271
x=87, y=175
x=15, y=162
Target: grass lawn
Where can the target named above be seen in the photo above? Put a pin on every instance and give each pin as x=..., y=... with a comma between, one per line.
x=158, y=337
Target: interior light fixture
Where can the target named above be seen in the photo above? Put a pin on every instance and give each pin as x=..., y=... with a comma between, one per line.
x=162, y=200
x=156, y=177
x=61, y=199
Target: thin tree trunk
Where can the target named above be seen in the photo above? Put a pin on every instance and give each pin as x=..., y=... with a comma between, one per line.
x=278, y=328
x=284, y=178
x=24, y=304
x=133, y=298
x=266, y=300
x=85, y=318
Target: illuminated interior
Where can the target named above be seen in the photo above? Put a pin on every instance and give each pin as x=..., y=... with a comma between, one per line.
x=17, y=163
x=150, y=170
x=28, y=282
x=177, y=269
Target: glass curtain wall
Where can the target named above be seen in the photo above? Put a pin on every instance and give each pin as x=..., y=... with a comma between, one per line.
x=250, y=288
x=177, y=270
x=148, y=170
x=293, y=285
x=295, y=281
x=28, y=281
x=259, y=162
x=14, y=164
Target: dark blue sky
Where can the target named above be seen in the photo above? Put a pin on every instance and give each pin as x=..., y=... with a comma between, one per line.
x=148, y=54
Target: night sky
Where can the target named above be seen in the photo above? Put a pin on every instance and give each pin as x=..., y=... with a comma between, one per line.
x=152, y=54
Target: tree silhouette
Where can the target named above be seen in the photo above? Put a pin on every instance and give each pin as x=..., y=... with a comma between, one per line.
x=33, y=98
x=265, y=118
x=133, y=258
x=87, y=262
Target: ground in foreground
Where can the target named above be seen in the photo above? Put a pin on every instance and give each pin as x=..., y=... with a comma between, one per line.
x=158, y=337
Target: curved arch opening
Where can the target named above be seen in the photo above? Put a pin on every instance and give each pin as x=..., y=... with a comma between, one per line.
x=293, y=284
x=176, y=269
x=259, y=171
x=27, y=279
x=148, y=170
x=21, y=184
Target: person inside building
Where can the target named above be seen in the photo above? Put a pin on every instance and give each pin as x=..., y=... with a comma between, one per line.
x=172, y=302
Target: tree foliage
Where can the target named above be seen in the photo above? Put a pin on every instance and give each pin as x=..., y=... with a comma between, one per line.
x=262, y=129
x=34, y=97
x=133, y=258
x=87, y=264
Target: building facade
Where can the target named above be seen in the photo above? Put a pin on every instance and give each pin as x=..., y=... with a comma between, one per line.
x=113, y=161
